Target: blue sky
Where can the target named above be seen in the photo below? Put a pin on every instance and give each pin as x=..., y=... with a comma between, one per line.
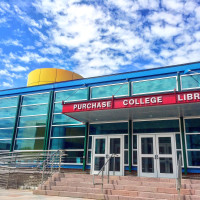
x=95, y=37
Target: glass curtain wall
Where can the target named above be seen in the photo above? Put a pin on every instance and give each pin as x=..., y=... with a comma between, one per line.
x=107, y=91
x=190, y=81
x=67, y=133
x=154, y=85
x=32, y=122
x=8, y=108
x=192, y=130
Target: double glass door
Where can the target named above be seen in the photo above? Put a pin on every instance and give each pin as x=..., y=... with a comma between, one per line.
x=104, y=147
x=157, y=156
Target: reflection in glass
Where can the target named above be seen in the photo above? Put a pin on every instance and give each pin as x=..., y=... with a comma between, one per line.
x=148, y=165
x=89, y=157
x=73, y=157
x=109, y=90
x=165, y=146
x=115, y=145
x=35, y=99
x=33, y=121
x=5, y=144
x=135, y=157
x=98, y=163
x=29, y=144
x=178, y=154
x=178, y=141
x=100, y=146
x=7, y=122
x=190, y=81
x=8, y=112
x=156, y=85
x=71, y=95
x=58, y=107
x=192, y=125
x=34, y=110
x=125, y=157
x=126, y=142
x=67, y=143
x=31, y=132
x=147, y=145
x=63, y=131
x=116, y=166
x=166, y=165
x=134, y=141
x=193, y=141
x=8, y=102
x=6, y=133
x=194, y=158
x=90, y=143
x=63, y=119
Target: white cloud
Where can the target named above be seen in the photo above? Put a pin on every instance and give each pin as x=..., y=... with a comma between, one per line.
x=51, y=50
x=33, y=57
x=6, y=84
x=11, y=42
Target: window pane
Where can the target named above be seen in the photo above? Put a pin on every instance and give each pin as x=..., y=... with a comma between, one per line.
x=34, y=110
x=29, y=144
x=134, y=141
x=109, y=128
x=63, y=131
x=73, y=157
x=90, y=143
x=5, y=144
x=8, y=102
x=35, y=99
x=157, y=85
x=161, y=126
x=8, y=112
x=193, y=141
x=89, y=157
x=108, y=91
x=192, y=125
x=126, y=142
x=190, y=81
x=31, y=132
x=63, y=119
x=135, y=157
x=178, y=141
x=6, y=133
x=7, y=122
x=71, y=95
x=58, y=107
x=33, y=121
x=67, y=143
x=125, y=157
x=194, y=158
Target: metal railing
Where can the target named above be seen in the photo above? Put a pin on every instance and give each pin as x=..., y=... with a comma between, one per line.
x=101, y=171
x=179, y=176
x=28, y=168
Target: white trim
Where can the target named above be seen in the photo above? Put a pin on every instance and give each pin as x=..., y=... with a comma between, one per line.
x=156, y=119
x=30, y=126
x=6, y=140
x=155, y=91
x=67, y=137
x=35, y=94
x=8, y=107
x=108, y=86
x=6, y=117
x=35, y=138
x=109, y=122
x=33, y=115
x=7, y=128
x=190, y=76
x=35, y=104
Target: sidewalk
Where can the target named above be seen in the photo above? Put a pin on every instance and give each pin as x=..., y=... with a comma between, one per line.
x=12, y=194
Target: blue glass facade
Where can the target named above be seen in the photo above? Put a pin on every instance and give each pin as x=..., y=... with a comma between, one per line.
x=69, y=134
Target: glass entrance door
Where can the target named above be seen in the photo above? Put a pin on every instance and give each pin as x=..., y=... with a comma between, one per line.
x=104, y=147
x=157, y=156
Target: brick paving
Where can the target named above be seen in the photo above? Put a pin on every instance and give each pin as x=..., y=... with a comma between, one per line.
x=12, y=194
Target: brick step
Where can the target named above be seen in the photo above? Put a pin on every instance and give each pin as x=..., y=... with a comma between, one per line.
x=192, y=197
x=90, y=195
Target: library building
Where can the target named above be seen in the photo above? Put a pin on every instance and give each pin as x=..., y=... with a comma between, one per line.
x=146, y=120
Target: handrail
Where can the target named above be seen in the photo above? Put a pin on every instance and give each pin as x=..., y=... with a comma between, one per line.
x=102, y=170
x=179, y=176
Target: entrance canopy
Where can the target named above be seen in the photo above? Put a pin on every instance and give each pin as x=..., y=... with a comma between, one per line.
x=177, y=104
